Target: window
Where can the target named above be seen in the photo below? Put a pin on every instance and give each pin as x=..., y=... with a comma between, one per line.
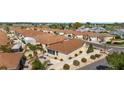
x=51, y=52
x=57, y=53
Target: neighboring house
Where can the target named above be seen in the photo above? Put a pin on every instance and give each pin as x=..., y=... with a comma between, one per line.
x=66, y=49
x=88, y=35
x=93, y=29
x=49, y=39
x=12, y=61
x=105, y=37
x=98, y=29
x=82, y=29
x=119, y=33
x=43, y=38
x=99, y=37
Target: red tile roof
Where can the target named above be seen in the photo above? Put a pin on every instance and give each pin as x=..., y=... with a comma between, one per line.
x=42, y=37
x=10, y=60
x=67, y=46
x=49, y=39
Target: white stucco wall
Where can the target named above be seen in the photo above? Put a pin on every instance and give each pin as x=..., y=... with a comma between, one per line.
x=79, y=36
x=107, y=39
x=94, y=39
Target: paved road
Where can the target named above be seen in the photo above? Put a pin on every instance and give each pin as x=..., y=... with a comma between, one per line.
x=102, y=61
x=93, y=65
x=113, y=49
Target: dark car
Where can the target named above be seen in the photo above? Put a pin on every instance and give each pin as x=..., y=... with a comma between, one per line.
x=102, y=67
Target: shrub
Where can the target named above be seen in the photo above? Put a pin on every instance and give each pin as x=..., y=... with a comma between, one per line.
x=52, y=69
x=109, y=42
x=55, y=57
x=117, y=37
x=30, y=55
x=90, y=48
x=76, y=63
x=80, y=52
x=97, y=55
x=118, y=43
x=66, y=67
x=76, y=55
x=84, y=60
x=37, y=65
x=70, y=58
x=61, y=59
x=93, y=57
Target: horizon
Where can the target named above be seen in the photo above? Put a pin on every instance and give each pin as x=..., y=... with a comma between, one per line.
x=61, y=22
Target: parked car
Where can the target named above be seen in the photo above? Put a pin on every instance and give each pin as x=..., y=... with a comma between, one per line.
x=102, y=67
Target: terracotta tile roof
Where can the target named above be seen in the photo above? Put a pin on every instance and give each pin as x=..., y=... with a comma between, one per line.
x=73, y=32
x=10, y=60
x=29, y=33
x=3, y=38
x=67, y=46
x=49, y=39
x=42, y=37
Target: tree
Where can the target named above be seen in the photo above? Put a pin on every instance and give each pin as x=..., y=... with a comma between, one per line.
x=116, y=60
x=77, y=25
x=88, y=25
x=37, y=65
x=32, y=47
x=6, y=27
x=90, y=48
x=35, y=47
x=5, y=48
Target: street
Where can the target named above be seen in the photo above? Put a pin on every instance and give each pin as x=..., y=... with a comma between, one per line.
x=93, y=65
x=102, y=61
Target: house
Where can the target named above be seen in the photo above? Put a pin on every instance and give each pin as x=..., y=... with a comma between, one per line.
x=93, y=29
x=104, y=37
x=12, y=61
x=119, y=32
x=66, y=49
x=39, y=37
x=49, y=39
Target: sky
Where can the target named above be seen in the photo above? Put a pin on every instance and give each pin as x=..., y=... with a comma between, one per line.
x=99, y=11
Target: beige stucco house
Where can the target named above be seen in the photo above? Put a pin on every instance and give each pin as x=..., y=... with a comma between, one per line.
x=66, y=49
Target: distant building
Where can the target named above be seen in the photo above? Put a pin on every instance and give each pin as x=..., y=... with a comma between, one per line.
x=119, y=32
x=93, y=29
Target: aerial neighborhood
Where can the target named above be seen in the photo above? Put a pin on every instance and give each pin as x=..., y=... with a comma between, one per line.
x=54, y=46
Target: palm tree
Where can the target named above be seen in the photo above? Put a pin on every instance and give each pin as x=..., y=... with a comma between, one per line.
x=34, y=48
